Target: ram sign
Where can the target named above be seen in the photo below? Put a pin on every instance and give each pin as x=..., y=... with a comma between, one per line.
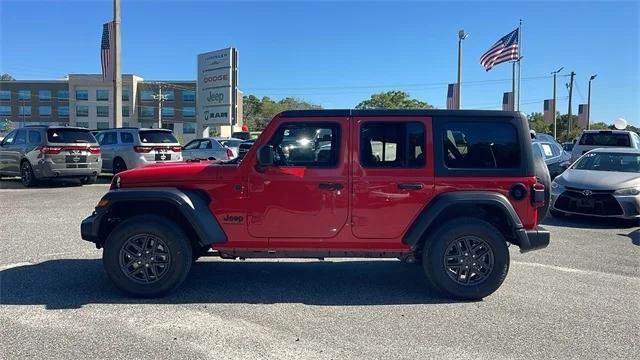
x=217, y=87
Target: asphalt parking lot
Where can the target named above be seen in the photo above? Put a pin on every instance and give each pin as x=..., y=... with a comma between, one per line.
x=579, y=298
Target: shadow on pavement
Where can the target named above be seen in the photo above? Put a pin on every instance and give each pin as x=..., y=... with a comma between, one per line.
x=585, y=222
x=634, y=236
x=14, y=183
x=72, y=283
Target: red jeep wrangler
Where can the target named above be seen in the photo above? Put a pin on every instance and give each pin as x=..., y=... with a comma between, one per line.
x=448, y=189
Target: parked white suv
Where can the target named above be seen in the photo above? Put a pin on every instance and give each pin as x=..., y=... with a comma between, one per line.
x=128, y=148
x=595, y=139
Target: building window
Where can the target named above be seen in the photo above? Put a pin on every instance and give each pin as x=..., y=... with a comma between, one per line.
x=82, y=94
x=83, y=124
x=5, y=95
x=148, y=125
x=125, y=94
x=44, y=111
x=82, y=110
x=63, y=111
x=125, y=111
x=63, y=95
x=102, y=95
x=167, y=126
x=147, y=95
x=189, y=112
x=146, y=111
x=125, y=124
x=102, y=111
x=168, y=112
x=101, y=125
x=44, y=95
x=169, y=95
x=189, y=128
x=24, y=95
x=189, y=95
x=5, y=110
x=24, y=110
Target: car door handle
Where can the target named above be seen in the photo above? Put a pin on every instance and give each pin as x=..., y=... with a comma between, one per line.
x=330, y=186
x=410, y=186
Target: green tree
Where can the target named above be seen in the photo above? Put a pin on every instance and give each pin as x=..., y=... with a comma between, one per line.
x=536, y=123
x=258, y=112
x=393, y=100
x=7, y=77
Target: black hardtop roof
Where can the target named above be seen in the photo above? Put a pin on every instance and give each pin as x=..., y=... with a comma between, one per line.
x=399, y=112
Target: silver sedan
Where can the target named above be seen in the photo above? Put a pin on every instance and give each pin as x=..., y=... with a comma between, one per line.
x=602, y=182
x=206, y=149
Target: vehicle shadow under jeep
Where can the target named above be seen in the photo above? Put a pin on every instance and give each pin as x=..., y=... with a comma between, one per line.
x=72, y=283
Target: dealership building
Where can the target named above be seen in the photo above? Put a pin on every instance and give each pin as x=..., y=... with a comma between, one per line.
x=86, y=100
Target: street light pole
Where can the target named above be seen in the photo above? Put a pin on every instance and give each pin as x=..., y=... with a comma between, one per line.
x=161, y=99
x=555, y=124
x=461, y=36
x=589, y=102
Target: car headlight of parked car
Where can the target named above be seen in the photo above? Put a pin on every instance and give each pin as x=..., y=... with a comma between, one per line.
x=628, y=191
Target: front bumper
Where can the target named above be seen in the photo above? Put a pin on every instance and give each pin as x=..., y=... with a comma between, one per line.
x=535, y=239
x=629, y=206
x=90, y=228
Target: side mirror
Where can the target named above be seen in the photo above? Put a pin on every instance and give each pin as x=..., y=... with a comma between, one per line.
x=265, y=155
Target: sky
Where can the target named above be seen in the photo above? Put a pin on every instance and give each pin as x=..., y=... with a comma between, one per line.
x=337, y=54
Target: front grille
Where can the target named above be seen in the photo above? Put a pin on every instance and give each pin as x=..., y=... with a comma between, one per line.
x=597, y=203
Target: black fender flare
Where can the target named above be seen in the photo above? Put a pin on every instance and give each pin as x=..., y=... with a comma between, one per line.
x=442, y=202
x=192, y=204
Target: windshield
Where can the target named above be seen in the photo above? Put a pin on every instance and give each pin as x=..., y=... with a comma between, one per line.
x=605, y=139
x=619, y=162
x=157, y=137
x=70, y=136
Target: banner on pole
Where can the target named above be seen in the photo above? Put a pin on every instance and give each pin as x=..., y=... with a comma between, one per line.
x=549, y=111
x=452, y=97
x=507, y=101
x=583, y=110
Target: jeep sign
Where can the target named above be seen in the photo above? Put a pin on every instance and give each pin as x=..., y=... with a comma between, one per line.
x=217, y=83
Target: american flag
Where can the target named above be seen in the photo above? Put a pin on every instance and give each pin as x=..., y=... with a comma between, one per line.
x=549, y=111
x=105, y=51
x=452, y=97
x=507, y=101
x=505, y=49
x=583, y=110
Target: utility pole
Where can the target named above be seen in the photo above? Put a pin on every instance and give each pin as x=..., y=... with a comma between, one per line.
x=569, y=111
x=117, y=75
x=555, y=123
x=161, y=98
x=589, y=102
x=461, y=36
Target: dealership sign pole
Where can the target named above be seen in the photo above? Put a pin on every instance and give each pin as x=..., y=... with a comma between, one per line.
x=216, y=89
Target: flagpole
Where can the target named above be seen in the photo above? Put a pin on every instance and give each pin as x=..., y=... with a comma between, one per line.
x=520, y=56
x=117, y=76
x=513, y=85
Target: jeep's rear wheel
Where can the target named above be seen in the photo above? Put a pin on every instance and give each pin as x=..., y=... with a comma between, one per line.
x=466, y=259
x=147, y=256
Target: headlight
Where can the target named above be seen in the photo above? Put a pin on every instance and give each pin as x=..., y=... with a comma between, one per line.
x=629, y=191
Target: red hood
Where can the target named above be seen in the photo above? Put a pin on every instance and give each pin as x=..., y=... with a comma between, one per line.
x=171, y=174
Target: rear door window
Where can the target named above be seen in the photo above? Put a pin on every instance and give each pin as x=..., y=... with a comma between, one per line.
x=392, y=144
x=126, y=138
x=34, y=137
x=70, y=136
x=192, y=145
x=480, y=145
x=157, y=137
x=605, y=139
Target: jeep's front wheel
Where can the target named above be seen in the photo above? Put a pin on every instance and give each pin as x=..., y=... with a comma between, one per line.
x=147, y=256
x=466, y=259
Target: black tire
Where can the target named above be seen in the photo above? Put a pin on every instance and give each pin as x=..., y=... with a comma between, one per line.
x=118, y=166
x=88, y=180
x=482, y=282
x=159, y=231
x=27, y=176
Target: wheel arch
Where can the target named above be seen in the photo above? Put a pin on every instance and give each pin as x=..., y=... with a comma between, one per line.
x=492, y=207
x=187, y=208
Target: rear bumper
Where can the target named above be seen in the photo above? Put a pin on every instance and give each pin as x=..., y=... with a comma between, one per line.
x=49, y=169
x=535, y=239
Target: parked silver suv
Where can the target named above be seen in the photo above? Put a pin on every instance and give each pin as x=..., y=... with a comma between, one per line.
x=44, y=152
x=128, y=148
